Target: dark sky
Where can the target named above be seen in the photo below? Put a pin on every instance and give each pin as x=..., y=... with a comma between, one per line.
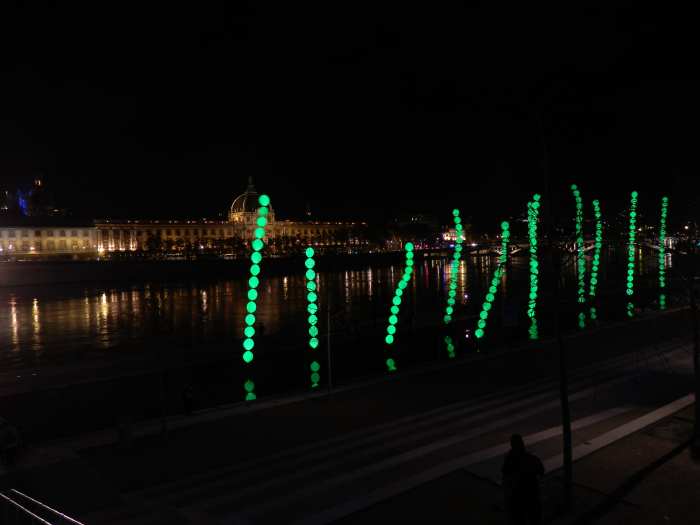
x=359, y=110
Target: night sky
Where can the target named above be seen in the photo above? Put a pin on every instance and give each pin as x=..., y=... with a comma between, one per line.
x=359, y=110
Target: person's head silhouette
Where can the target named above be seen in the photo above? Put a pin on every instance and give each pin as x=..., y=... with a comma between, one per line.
x=517, y=444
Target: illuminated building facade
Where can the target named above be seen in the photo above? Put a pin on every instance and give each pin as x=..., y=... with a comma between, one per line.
x=173, y=236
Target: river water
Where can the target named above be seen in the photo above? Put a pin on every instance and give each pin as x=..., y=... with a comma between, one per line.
x=53, y=325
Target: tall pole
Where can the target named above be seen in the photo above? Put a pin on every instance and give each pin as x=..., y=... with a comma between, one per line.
x=696, y=347
x=555, y=259
x=330, y=377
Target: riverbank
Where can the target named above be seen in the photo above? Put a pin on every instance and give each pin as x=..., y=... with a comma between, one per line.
x=37, y=273
x=64, y=401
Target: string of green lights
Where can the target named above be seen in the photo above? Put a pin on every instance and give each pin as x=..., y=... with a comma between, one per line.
x=454, y=275
x=662, y=252
x=459, y=239
x=533, y=209
x=255, y=257
x=596, y=255
x=396, y=303
x=312, y=308
x=493, y=288
x=580, y=254
x=631, y=253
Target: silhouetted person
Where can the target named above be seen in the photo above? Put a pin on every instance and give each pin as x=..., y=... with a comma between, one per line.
x=521, y=483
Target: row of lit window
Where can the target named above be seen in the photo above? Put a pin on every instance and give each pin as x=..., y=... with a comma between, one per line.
x=26, y=246
x=12, y=233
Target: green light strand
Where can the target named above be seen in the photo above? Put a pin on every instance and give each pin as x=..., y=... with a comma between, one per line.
x=396, y=303
x=256, y=257
x=598, y=246
x=662, y=252
x=312, y=309
x=662, y=242
x=454, y=276
x=533, y=209
x=631, y=253
x=493, y=288
x=580, y=254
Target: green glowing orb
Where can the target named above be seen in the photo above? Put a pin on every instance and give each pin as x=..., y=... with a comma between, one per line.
x=408, y=246
x=311, y=297
x=505, y=225
x=263, y=211
x=312, y=308
x=313, y=342
x=313, y=331
x=253, y=282
x=264, y=200
x=250, y=396
x=310, y=275
x=393, y=319
x=490, y=297
x=391, y=329
x=486, y=306
x=309, y=263
x=481, y=323
x=262, y=221
x=479, y=333
x=309, y=252
x=259, y=233
x=311, y=286
x=248, y=344
x=315, y=367
x=256, y=257
x=395, y=310
x=391, y=364
x=449, y=310
x=257, y=245
x=247, y=356
x=315, y=377
x=249, y=331
x=455, y=212
x=396, y=300
x=635, y=195
x=250, y=319
x=251, y=307
x=313, y=319
x=389, y=339
x=398, y=292
x=402, y=284
x=484, y=314
x=252, y=294
x=447, y=318
x=451, y=301
x=249, y=386
x=254, y=269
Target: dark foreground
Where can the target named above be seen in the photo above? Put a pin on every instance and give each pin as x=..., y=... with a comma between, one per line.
x=418, y=444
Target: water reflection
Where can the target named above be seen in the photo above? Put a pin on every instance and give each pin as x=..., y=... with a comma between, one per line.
x=69, y=320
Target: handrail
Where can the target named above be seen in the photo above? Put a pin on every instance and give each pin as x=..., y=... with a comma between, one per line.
x=42, y=505
x=27, y=511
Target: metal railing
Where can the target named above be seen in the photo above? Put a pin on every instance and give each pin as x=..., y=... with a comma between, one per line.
x=13, y=512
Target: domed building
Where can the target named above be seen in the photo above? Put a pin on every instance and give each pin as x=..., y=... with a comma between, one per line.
x=244, y=211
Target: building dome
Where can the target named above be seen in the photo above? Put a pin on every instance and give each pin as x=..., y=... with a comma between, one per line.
x=245, y=206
